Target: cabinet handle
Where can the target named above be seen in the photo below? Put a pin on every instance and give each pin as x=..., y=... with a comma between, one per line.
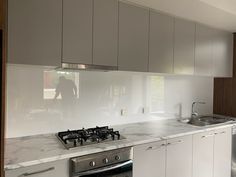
x=206, y=136
x=177, y=142
x=220, y=133
x=155, y=147
x=37, y=172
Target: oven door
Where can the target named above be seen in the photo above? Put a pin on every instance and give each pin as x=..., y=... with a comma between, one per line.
x=123, y=169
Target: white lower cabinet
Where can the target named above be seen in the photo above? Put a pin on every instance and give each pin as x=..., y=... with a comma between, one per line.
x=203, y=154
x=53, y=169
x=212, y=153
x=149, y=160
x=179, y=157
x=222, y=153
x=172, y=158
x=206, y=154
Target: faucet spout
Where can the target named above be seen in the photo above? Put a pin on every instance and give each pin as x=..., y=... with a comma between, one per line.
x=193, y=112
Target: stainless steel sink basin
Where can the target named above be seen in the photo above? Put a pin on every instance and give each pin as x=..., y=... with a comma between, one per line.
x=206, y=120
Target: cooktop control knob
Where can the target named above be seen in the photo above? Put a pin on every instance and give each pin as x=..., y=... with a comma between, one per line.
x=117, y=157
x=105, y=160
x=92, y=164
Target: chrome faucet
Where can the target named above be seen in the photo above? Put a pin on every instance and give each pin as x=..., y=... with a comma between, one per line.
x=194, y=113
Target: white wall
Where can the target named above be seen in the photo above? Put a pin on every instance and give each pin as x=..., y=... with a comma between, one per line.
x=31, y=108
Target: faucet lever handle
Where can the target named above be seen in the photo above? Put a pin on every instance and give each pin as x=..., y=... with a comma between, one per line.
x=199, y=102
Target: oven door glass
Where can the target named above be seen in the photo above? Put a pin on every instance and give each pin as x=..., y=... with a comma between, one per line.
x=125, y=171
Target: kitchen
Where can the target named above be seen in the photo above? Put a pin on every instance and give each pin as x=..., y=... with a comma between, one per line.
x=117, y=88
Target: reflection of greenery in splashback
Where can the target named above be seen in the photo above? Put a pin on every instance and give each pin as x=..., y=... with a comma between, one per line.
x=51, y=79
x=157, y=94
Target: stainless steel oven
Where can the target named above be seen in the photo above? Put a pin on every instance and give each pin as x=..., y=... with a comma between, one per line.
x=115, y=163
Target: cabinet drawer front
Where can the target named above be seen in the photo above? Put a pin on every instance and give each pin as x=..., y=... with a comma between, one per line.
x=203, y=154
x=223, y=131
x=52, y=169
x=222, y=152
x=179, y=157
x=151, y=146
x=149, y=160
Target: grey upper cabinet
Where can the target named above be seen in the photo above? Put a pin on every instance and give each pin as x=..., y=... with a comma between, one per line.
x=105, y=32
x=222, y=54
x=34, y=32
x=133, y=37
x=161, y=43
x=204, y=51
x=77, y=31
x=184, y=47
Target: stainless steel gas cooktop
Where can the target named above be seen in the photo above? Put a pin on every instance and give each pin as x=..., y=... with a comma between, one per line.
x=75, y=138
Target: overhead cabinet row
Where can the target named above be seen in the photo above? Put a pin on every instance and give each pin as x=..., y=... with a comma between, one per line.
x=114, y=33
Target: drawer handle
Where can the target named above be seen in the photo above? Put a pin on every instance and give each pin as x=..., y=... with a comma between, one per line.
x=155, y=147
x=220, y=133
x=174, y=143
x=206, y=136
x=37, y=172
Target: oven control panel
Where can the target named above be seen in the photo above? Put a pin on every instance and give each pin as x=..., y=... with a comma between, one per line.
x=99, y=160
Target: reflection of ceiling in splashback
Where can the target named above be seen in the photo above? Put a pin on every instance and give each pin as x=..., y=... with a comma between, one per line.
x=216, y=13
x=226, y=5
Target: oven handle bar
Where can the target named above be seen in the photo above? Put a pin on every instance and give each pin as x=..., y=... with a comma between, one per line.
x=104, y=169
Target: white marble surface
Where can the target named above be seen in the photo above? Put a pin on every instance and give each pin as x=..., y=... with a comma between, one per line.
x=33, y=150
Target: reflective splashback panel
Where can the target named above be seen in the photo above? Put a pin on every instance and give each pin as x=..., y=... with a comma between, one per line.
x=42, y=100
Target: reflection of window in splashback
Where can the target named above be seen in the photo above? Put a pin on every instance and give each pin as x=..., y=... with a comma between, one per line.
x=51, y=81
x=156, y=94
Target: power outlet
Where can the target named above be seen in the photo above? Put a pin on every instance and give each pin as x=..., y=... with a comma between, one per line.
x=123, y=112
x=145, y=110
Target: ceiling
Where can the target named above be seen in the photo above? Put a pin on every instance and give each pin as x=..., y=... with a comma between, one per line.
x=216, y=13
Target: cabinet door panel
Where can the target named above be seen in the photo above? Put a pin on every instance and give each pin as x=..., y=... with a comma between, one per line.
x=34, y=32
x=105, y=32
x=222, y=153
x=161, y=43
x=53, y=169
x=184, y=47
x=133, y=37
x=223, y=54
x=149, y=160
x=77, y=31
x=203, y=51
x=179, y=157
x=203, y=154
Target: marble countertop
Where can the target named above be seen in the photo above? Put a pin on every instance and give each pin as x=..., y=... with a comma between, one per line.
x=33, y=150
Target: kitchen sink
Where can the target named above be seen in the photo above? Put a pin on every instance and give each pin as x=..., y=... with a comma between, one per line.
x=206, y=120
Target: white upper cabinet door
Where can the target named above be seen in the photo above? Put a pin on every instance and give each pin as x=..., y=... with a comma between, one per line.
x=133, y=37
x=161, y=43
x=203, y=154
x=223, y=54
x=34, y=32
x=149, y=160
x=203, y=51
x=105, y=32
x=179, y=157
x=184, y=46
x=59, y=168
x=222, y=153
x=77, y=31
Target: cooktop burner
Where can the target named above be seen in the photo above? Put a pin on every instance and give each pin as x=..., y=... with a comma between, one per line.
x=75, y=138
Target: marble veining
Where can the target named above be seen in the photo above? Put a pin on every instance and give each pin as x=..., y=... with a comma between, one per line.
x=37, y=149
